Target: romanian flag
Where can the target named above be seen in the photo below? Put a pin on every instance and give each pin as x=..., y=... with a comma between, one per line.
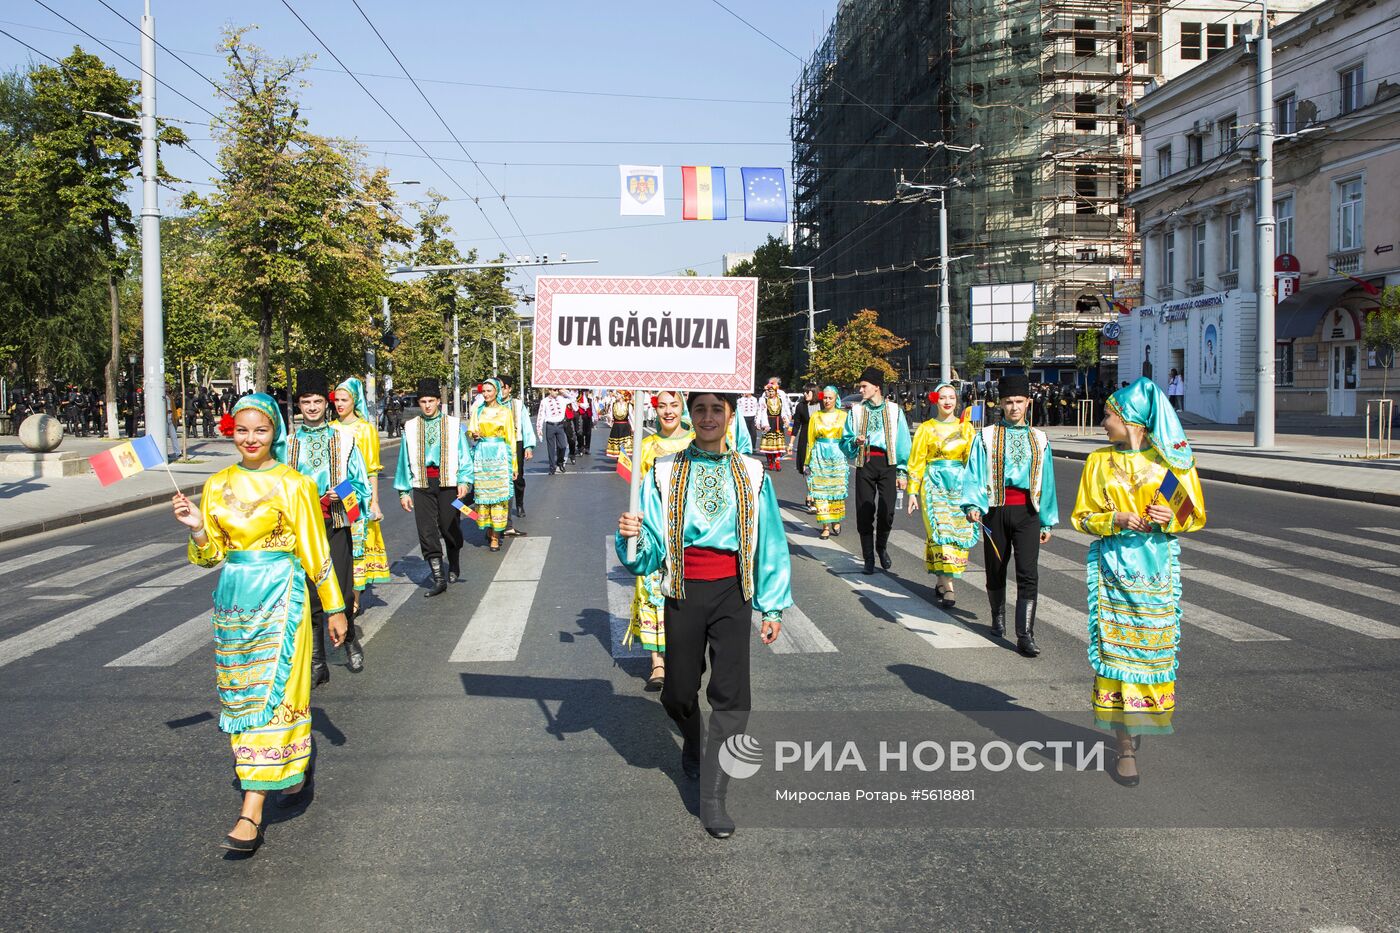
x=624, y=466
x=128, y=459
x=705, y=194
x=972, y=413
x=466, y=510
x=346, y=492
x=1174, y=493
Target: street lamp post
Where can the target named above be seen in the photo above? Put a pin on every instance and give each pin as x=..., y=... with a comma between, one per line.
x=456, y=368
x=1264, y=242
x=811, y=309
x=152, y=319
x=945, y=335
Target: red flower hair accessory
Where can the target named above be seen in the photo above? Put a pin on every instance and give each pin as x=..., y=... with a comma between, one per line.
x=226, y=425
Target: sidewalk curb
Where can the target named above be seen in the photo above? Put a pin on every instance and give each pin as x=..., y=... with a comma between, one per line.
x=114, y=508
x=1320, y=490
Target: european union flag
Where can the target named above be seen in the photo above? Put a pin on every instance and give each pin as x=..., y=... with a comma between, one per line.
x=765, y=194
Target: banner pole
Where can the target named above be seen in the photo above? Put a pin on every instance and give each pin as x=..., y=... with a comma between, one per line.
x=634, y=493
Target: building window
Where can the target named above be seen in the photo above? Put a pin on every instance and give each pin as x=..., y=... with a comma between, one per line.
x=1191, y=42
x=1241, y=33
x=1141, y=52
x=1217, y=39
x=1085, y=46
x=1195, y=150
x=1350, y=215
x=1283, y=363
x=1086, y=189
x=1229, y=133
x=1232, y=242
x=1164, y=161
x=1350, y=81
x=1286, y=114
x=1198, y=251
x=1086, y=104
x=1283, y=231
x=1021, y=193
x=1169, y=261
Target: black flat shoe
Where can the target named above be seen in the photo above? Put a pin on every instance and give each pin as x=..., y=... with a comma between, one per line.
x=355, y=655
x=656, y=681
x=244, y=846
x=1124, y=780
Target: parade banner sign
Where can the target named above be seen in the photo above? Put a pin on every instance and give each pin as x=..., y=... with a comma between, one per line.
x=653, y=332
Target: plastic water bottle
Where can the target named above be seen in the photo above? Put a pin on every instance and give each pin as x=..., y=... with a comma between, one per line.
x=899, y=500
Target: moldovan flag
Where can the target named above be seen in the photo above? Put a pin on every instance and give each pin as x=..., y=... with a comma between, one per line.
x=642, y=191
x=705, y=193
x=1176, y=496
x=346, y=492
x=466, y=510
x=127, y=459
x=624, y=466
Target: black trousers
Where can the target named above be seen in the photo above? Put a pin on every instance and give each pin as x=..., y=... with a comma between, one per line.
x=875, y=492
x=752, y=426
x=556, y=443
x=585, y=433
x=437, y=521
x=714, y=617
x=573, y=438
x=520, y=474
x=342, y=560
x=1015, y=530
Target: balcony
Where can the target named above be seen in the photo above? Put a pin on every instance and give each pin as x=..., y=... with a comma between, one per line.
x=1195, y=286
x=1347, y=262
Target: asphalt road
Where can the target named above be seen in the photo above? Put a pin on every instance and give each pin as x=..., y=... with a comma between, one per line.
x=499, y=766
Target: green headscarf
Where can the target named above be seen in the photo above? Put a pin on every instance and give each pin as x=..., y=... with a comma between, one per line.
x=356, y=388
x=268, y=406
x=1146, y=405
x=497, y=384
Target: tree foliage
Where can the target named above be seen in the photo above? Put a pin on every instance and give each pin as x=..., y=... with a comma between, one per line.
x=975, y=362
x=1383, y=330
x=774, y=355
x=1027, y=349
x=1086, y=350
x=842, y=353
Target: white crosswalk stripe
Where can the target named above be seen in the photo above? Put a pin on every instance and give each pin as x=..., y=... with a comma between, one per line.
x=1303, y=550
x=1383, y=593
x=1297, y=605
x=800, y=634
x=1385, y=532
x=126, y=560
x=1386, y=550
x=39, y=557
x=498, y=625
x=86, y=618
x=393, y=595
x=172, y=647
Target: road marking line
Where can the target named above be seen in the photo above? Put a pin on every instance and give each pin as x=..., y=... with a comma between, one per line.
x=126, y=560
x=1251, y=560
x=928, y=622
x=86, y=618
x=619, y=585
x=498, y=625
x=1386, y=549
x=1296, y=605
x=800, y=634
x=394, y=594
x=39, y=557
x=1225, y=626
x=172, y=647
x=59, y=597
x=1388, y=532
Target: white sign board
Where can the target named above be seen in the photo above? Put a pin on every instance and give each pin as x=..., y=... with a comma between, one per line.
x=653, y=332
x=1000, y=313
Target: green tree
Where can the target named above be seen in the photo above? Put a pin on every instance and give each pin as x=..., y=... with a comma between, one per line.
x=1086, y=351
x=1383, y=331
x=843, y=353
x=773, y=356
x=1027, y=350
x=975, y=362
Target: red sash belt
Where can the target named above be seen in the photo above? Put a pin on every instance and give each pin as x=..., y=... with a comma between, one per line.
x=1016, y=496
x=875, y=452
x=702, y=563
x=432, y=472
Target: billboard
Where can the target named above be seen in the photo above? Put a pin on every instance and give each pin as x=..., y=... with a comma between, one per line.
x=1000, y=313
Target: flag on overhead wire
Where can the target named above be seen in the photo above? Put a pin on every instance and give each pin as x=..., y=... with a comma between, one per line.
x=765, y=194
x=643, y=193
x=705, y=193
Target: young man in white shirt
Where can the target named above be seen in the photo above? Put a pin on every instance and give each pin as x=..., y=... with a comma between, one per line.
x=550, y=425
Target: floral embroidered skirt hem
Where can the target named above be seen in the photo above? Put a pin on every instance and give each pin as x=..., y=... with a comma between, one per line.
x=372, y=565
x=948, y=535
x=493, y=466
x=619, y=439
x=276, y=755
x=647, y=626
x=1134, y=582
x=827, y=477
x=494, y=517
x=773, y=442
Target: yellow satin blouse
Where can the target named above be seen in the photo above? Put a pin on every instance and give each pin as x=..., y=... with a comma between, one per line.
x=367, y=440
x=936, y=440
x=1127, y=481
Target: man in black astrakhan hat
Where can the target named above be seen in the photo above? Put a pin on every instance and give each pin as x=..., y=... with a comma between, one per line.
x=877, y=436
x=1009, y=486
x=435, y=467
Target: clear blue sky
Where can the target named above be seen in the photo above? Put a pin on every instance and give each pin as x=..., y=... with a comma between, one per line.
x=657, y=51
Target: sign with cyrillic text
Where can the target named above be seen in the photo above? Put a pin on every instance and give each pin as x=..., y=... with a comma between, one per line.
x=653, y=332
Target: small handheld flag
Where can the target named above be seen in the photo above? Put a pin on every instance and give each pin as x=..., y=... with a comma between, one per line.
x=346, y=492
x=1173, y=492
x=988, y=538
x=466, y=510
x=624, y=466
x=126, y=459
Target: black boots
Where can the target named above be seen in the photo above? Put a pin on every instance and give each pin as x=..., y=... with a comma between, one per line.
x=454, y=567
x=998, y=600
x=692, y=731
x=1025, y=627
x=713, y=815
x=439, y=579
x=867, y=550
x=884, y=553
x=320, y=671
x=354, y=652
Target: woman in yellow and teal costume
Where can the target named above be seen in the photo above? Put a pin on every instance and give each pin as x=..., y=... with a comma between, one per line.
x=937, y=463
x=492, y=429
x=1134, y=566
x=828, y=469
x=371, y=558
x=262, y=521
x=648, y=602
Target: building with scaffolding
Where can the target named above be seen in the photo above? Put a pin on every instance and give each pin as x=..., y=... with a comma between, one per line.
x=1038, y=90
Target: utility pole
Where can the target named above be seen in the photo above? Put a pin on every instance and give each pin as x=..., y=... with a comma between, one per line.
x=456, y=367
x=389, y=361
x=152, y=319
x=1264, y=241
x=945, y=333
x=811, y=308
